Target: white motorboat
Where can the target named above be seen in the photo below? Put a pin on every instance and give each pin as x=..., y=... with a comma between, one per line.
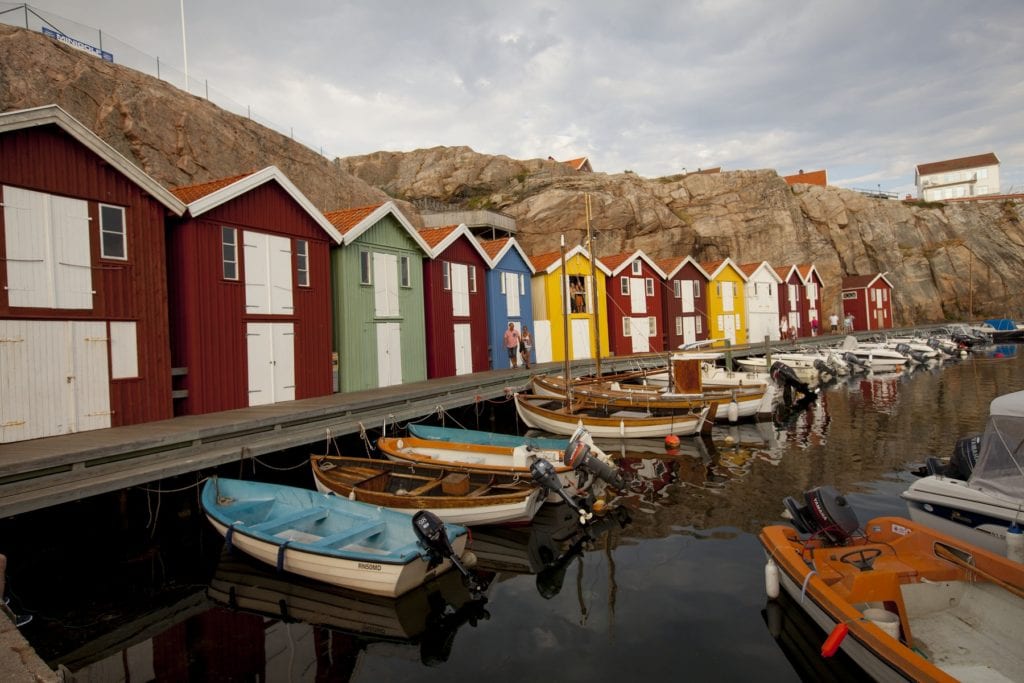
x=982, y=508
x=876, y=358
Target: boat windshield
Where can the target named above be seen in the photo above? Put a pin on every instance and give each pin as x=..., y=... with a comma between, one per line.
x=1000, y=466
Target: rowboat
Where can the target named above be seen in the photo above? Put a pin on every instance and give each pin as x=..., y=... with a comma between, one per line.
x=470, y=457
x=460, y=435
x=904, y=601
x=326, y=538
x=555, y=415
x=468, y=498
x=242, y=585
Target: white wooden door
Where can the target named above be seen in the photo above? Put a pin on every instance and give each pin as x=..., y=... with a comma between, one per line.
x=639, y=329
x=580, y=338
x=637, y=295
x=271, y=362
x=385, y=285
x=511, y=284
x=463, y=349
x=460, y=289
x=54, y=378
x=729, y=328
x=687, y=292
x=542, y=341
x=389, y=354
x=689, y=329
x=268, y=273
x=728, y=294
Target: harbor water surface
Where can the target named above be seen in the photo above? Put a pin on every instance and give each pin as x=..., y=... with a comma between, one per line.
x=136, y=586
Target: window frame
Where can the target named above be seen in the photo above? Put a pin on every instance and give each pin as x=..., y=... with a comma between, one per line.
x=122, y=233
x=446, y=276
x=649, y=286
x=365, y=268
x=226, y=230
x=637, y=267
x=627, y=327
x=302, y=263
x=472, y=279
x=624, y=286
x=404, y=271
x=677, y=288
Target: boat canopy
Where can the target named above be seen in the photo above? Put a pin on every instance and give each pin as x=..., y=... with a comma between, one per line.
x=1000, y=466
x=1001, y=324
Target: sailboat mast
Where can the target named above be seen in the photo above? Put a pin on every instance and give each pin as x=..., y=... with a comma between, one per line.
x=565, y=326
x=593, y=282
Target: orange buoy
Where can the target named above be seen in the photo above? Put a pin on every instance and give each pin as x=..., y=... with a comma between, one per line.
x=834, y=640
x=671, y=441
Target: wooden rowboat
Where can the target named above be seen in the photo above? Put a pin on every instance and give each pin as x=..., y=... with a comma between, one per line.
x=553, y=414
x=462, y=497
x=323, y=537
x=470, y=457
x=904, y=601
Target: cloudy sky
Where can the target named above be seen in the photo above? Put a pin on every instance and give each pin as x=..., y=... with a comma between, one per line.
x=865, y=89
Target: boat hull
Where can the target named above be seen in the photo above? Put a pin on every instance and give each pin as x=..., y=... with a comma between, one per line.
x=627, y=424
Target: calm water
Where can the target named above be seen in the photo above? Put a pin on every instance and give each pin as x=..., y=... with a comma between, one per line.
x=135, y=587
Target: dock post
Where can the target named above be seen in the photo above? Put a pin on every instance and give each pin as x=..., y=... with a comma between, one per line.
x=728, y=355
x=767, y=351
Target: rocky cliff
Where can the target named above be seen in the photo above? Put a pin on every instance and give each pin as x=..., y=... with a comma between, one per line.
x=946, y=261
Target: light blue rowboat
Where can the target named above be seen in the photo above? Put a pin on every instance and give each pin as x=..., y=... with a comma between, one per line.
x=458, y=435
x=324, y=537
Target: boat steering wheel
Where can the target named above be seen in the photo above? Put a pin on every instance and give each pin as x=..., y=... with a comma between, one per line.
x=862, y=559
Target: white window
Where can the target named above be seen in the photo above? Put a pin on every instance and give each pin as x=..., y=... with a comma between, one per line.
x=679, y=324
x=229, y=252
x=460, y=289
x=738, y=324
x=49, y=260
x=721, y=323
x=627, y=328
x=812, y=291
x=982, y=173
x=302, y=262
x=501, y=280
x=522, y=284
x=677, y=288
x=113, y=240
x=472, y=278
x=696, y=288
x=649, y=283
x=624, y=286
x=700, y=326
x=636, y=267
x=446, y=275
x=652, y=326
x=365, y=271
x=404, y=272
x=124, y=353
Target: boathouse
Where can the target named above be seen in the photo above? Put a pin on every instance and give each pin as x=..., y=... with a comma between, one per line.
x=684, y=302
x=250, y=293
x=569, y=301
x=455, y=302
x=810, y=305
x=378, y=298
x=727, y=311
x=868, y=298
x=84, y=341
x=762, y=293
x=634, y=303
x=791, y=295
x=508, y=296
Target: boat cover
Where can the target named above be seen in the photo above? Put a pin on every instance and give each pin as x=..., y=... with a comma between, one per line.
x=1001, y=324
x=1000, y=466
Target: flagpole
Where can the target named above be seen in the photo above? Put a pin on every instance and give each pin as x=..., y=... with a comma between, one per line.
x=184, y=45
x=593, y=296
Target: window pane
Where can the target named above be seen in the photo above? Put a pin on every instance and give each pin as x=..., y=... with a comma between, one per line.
x=406, y=276
x=302, y=262
x=364, y=268
x=624, y=285
x=446, y=275
x=112, y=232
x=229, y=252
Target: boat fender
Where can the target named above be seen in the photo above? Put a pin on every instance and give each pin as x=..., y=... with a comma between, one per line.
x=280, y=555
x=834, y=640
x=1015, y=543
x=734, y=411
x=229, y=534
x=771, y=579
x=671, y=441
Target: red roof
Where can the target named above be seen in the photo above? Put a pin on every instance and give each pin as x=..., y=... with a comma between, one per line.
x=191, y=193
x=810, y=178
x=542, y=261
x=988, y=159
x=862, y=281
x=711, y=266
x=493, y=247
x=346, y=219
x=613, y=262
x=749, y=268
x=434, y=236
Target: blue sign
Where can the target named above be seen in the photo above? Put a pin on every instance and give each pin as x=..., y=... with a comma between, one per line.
x=85, y=47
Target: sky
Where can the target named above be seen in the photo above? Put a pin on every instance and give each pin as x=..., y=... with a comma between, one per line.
x=864, y=89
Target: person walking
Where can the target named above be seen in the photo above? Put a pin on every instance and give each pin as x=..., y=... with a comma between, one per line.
x=525, y=344
x=833, y=322
x=511, y=341
x=784, y=329
x=814, y=326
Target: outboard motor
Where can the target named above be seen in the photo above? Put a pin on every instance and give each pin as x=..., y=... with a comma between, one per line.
x=433, y=535
x=578, y=457
x=552, y=576
x=784, y=375
x=825, y=513
x=543, y=473
x=964, y=458
x=854, y=362
x=916, y=356
x=823, y=368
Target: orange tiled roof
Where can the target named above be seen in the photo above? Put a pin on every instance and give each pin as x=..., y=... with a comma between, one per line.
x=542, y=261
x=493, y=247
x=191, y=193
x=346, y=219
x=749, y=268
x=804, y=269
x=670, y=264
x=810, y=178
x=988, y=159
x=613, y=262
x=711, y=266
x=858, y=281
x=434, y=236
x=576, y=163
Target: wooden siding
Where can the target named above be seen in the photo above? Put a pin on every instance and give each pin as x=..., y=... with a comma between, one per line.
x=440, y=318
x=208, y=313
x=674, y=307
x=620, y=306
x=808, y=307
x=355, y=332
x=549, y=289
x=497, y=308
x=863, y=306
x=46, y=159
x=716, y=306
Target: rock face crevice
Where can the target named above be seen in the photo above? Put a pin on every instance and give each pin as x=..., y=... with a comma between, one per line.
x=947, y=262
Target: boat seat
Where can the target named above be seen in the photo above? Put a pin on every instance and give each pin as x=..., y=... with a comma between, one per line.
x=424, y=487
x=360, y=532
x=479, y=491
x=297, y=517
x=248, y=506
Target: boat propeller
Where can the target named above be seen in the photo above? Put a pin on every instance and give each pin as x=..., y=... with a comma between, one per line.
x=784, y=375
x=855, y=362
x=433, y=535
x=578, y=457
